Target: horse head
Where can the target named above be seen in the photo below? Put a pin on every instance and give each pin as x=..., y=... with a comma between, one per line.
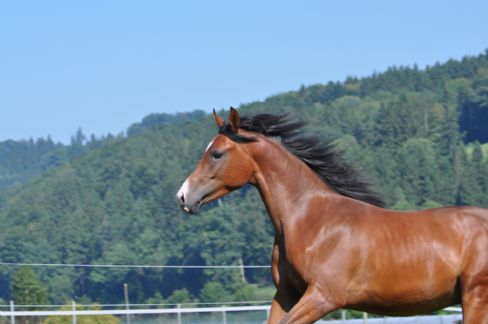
x=225, y=166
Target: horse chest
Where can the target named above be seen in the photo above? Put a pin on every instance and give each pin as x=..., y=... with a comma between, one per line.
x=289, y=269
x=294, y=277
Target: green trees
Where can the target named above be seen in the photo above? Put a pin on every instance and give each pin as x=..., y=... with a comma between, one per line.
x=419, y=170
x=214, y=292
x=179, y=296
x=473, y=189
x=91, y=319
x=27, y=289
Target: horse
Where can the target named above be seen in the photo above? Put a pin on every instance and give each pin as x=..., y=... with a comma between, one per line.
x=335, y=244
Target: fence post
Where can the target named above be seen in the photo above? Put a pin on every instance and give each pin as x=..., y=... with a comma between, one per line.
x=12, y=315
x=126, y=298
x=73, y=308
x=365, y=317
x=224, y=315
x=179, y=313
x=343, y=316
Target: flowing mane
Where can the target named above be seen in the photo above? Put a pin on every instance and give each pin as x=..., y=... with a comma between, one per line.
x=321, y=156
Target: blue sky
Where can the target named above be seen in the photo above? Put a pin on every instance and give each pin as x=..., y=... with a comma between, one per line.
x=103, y=65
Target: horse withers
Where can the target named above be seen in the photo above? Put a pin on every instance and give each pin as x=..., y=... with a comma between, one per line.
x=335, y=244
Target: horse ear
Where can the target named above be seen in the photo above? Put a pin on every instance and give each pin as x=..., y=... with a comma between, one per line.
x=234, y=120
x=220, y=123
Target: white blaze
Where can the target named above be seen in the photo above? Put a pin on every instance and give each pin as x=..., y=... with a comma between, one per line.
x=209, y=145
x=183, y=193
x=184, y=188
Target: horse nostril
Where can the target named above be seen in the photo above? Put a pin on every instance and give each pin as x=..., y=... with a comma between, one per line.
x=181, y=198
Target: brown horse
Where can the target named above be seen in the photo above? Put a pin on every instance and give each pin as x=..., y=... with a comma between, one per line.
x=335, y=245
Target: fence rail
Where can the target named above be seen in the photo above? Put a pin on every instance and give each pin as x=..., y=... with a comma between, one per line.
x=137, y=311
x=74, y=312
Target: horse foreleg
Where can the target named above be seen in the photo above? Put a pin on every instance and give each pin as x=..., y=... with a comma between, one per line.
x=310, y=308
x=276, y=312
x=282, y=302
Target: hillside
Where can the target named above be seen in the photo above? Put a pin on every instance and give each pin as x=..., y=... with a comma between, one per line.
x=408, y=129
x=24, y=160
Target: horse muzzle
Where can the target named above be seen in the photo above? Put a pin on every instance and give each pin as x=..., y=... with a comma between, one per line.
x=187, y=199
x=190, y=209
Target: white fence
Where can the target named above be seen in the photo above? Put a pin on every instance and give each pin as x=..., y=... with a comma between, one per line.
x=176, y=311
x=12, y=314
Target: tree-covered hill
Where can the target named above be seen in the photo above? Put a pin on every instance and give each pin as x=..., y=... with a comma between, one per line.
x=24, y=160
x=416, y=133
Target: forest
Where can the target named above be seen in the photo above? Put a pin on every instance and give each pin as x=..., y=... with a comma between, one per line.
x=419, y=135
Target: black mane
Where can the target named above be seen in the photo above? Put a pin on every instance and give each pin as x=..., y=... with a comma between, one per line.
x=321, y=156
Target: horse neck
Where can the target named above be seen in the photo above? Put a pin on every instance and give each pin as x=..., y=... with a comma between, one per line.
x=286, y=184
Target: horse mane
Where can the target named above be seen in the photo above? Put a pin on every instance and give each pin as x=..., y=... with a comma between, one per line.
x=321, y=156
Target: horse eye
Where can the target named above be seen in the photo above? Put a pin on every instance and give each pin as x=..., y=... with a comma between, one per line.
x=217, y=155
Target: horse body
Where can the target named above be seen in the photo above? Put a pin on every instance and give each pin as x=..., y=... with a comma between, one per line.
x=378, y=260
x=333, y=251
x=373, y=270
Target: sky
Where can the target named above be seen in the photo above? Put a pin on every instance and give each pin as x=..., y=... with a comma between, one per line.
x=103, y=65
